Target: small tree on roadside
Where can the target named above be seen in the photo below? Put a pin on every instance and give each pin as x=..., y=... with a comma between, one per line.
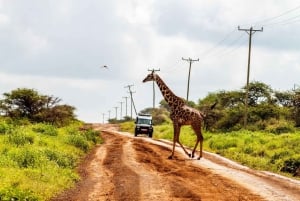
x=29, y=104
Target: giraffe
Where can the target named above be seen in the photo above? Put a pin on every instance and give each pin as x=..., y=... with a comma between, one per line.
x=180, y=114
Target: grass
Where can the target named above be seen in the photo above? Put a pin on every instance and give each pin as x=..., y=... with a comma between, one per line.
x=38, y=161
x=279, y=153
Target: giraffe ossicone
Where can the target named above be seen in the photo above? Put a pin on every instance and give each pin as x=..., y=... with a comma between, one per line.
x=180, y=114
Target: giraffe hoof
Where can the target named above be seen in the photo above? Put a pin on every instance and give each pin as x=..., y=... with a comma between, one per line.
x=199, y=158
x=170, y=157
x=190, y=155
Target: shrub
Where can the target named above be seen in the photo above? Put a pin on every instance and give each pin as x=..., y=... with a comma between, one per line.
x=61, y=159
x=280, y=127
x=20, y=137
x=4, y=127
x=79, y=141
x=17, y=194
x=291, y=165
x=45, y=129
x=24, y=157
x=92, y=135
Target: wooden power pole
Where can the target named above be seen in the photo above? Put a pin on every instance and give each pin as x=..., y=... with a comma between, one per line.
x=188, y=86
x=131, y=98
x=153, y=70
x=250, y=32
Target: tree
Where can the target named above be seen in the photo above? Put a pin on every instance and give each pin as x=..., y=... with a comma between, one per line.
x=259, y=92
x=28, y=103
x=265, y=106
x=284, y=98
x=23, y=103
x=58, y=115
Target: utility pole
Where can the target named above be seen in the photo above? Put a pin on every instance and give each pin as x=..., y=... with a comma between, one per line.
x=132, y=102
x=188, y=86
x=121, y=110
x=116, y=108
x=125, y=105
x=103, y=118
x=153, y=71
x=250, y=32
x=108, y=114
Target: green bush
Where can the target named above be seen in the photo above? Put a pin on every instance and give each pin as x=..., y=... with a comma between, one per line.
x=45, y=129
x=14, y=194
x=20, y=137
x=280, y=127
x=25, y=158
x=291, y=165
x=4, y=127
x=91, y=135
x=79, y=141
x=61, y=159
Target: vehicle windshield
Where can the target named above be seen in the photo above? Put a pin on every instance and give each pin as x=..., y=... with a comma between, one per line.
x=144, y=121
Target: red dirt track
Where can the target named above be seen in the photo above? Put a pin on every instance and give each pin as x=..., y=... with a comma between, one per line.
x=136, y=168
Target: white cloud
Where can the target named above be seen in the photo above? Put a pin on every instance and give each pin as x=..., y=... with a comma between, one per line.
x=4, y=19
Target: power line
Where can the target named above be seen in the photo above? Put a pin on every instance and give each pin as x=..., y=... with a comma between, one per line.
x=225, y=50
x=285, y=21
x=153, y=71
x=207, y=52
x=250, y=32
x=276, y=17
x=188, y=86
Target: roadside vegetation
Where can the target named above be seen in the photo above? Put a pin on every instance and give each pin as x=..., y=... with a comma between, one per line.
x=270, y=141
x=41, y=145
x=255, y=149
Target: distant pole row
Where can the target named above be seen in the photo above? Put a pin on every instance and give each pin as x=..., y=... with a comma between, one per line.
x=120, y=116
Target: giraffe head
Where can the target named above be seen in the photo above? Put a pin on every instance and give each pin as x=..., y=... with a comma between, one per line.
x=150, y=77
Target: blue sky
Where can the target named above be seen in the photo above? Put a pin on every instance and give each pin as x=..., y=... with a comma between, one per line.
x=58, y=48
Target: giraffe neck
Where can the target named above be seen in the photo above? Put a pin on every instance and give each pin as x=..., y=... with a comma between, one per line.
x=172, y=100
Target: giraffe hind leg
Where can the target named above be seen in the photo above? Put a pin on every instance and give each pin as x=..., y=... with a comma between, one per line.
x=201, y=144
x=195, y=147
x=197, y=128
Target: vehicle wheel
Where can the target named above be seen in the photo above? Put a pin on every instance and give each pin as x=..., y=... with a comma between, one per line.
x=150, y=134
x=135, y=134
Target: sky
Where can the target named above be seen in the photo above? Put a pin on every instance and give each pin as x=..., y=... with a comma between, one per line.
x=58, y=47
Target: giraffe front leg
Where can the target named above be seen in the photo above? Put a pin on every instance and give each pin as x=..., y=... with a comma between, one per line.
x=174, y=143
x=176, y=128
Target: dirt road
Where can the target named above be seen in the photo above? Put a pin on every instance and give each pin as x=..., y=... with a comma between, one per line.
x=128, y=168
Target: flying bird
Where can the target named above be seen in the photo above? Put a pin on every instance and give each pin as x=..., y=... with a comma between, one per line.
x=105, y=66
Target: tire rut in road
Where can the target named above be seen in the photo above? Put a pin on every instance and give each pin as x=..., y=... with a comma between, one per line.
x=125, y=181
x=186, y=181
